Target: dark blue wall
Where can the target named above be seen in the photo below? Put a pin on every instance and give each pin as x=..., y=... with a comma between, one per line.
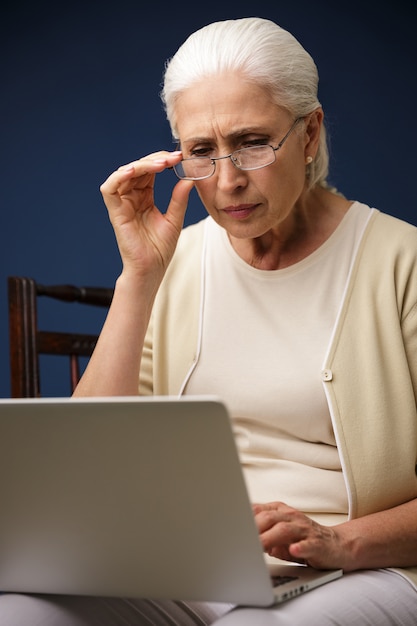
x=80, y=85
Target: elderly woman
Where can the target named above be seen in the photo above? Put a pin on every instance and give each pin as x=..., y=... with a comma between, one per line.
x=295, y=305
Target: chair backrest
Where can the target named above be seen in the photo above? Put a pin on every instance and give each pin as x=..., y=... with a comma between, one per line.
x=27, y=341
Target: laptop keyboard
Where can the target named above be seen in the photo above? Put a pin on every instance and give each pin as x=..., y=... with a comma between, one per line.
x=281, y=580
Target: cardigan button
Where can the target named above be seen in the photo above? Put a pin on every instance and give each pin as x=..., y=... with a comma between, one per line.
x=326, y=375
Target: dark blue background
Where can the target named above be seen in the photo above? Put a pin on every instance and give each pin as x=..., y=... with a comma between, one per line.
x=80, y=95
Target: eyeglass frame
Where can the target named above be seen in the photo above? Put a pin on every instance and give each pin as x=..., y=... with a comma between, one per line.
x=230, y=156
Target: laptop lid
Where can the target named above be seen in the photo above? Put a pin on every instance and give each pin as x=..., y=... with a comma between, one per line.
x=126, y=497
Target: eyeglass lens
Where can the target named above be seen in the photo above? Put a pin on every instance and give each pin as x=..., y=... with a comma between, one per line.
x=250, y=158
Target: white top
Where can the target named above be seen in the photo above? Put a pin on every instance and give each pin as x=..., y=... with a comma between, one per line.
x=280, y=323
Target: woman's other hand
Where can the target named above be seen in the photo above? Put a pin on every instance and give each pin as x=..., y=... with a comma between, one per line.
x=288, y=534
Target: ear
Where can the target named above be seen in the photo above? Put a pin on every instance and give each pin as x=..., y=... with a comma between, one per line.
x=312, y=133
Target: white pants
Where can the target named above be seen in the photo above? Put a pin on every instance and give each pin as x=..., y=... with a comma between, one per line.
x=374, y=598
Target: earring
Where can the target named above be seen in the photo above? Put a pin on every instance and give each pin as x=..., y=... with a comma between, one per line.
x=309, y=160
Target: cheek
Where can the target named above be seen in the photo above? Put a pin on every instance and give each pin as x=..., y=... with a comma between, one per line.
x=273, y=183
x=288, y=178
x=206, y=190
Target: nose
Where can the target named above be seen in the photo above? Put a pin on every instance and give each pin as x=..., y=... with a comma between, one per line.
x=229, y=177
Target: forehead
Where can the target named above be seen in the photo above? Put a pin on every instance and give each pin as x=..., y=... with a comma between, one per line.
x=220, y=106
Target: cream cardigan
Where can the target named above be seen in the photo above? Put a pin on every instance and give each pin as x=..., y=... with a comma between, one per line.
x=369, y=374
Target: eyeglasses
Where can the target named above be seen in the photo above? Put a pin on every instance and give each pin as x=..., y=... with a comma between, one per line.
x=250, y=158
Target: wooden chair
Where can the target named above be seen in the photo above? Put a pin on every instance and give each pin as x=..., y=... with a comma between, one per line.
x=27, y=341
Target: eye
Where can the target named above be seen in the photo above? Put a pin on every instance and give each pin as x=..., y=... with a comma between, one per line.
x=260, y=141
x=205, y=151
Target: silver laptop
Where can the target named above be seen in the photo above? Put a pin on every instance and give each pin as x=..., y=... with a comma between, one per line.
x=133, y=497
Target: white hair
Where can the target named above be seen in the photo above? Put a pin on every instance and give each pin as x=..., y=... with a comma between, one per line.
x=266, y=54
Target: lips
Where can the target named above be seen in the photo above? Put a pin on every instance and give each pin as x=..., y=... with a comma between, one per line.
x=240, y=211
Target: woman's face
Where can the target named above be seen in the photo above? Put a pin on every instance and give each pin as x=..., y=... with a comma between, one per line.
x=224, y=113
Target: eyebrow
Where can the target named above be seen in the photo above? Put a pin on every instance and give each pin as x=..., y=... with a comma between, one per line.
x=238, y=134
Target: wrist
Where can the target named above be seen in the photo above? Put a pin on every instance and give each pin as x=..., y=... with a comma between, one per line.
x=136, y=286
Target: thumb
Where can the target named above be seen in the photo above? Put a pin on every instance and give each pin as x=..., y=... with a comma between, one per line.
x=179, y=201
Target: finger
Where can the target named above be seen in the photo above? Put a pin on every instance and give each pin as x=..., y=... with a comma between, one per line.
x=299, y=550
x=153, y=163
x=271, y=506
x=279, y=541
x=266, y=520
x=277, y=510
x=302, y=552
x=111, y=186
x=178, y=205
x=161, y=155
x=149, y=165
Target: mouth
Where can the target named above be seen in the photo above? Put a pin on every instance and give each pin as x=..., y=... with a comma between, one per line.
x=240, y=211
